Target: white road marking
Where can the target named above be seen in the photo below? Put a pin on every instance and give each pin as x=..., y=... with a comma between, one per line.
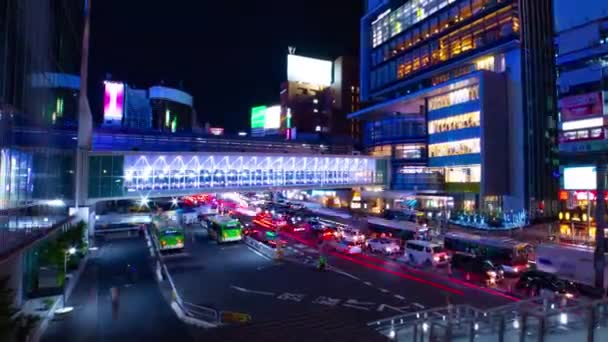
x=241, y=289
x=258, y=253
x=368, y=283
x=301, y=245
x=339, y=271
x=399, y=297
x=384, y=290
x=420, y=306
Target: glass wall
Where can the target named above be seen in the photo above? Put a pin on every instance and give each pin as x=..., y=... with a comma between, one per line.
x=454, y=123
x=410, y=151
x=381, y=151
x=454, y=97
x=394, y=129
x=417, y=49
x=463, y=174
x=455, y=148
x=417, y=178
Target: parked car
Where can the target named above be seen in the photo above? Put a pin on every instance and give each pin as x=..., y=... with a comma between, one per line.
x=383, y=245
x=346, y=247
x=419, y=252
x=477, y=269
x=543, y=283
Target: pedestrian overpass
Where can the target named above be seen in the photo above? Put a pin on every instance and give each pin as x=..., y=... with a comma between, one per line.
x=137, y=175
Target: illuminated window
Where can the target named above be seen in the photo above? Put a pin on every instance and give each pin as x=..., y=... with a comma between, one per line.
x=409, y=151
x=454, y=123
x=381, y=151
x=454, y=148
x=463, y=174
x=486, y=63
x=454, y=97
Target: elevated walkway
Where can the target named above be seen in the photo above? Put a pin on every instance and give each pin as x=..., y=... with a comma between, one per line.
x=136, y=175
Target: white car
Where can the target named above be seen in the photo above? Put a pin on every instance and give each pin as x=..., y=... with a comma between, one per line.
x=346, y=247
x=383, y=245
x=421, y=252
x=353, y=236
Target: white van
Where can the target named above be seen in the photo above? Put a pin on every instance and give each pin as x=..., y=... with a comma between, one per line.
x=419, y=252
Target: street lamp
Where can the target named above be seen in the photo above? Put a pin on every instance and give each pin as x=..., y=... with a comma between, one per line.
x=65, y=309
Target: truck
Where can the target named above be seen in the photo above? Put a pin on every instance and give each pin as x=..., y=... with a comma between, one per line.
x=571, y=263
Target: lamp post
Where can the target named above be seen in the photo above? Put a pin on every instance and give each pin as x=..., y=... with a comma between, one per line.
x=70, y=251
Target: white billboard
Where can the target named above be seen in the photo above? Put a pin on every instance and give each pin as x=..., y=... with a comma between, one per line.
x=272, y=119
x=580, y=178
x=309, y=70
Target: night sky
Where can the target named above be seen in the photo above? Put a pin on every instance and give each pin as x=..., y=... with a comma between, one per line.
x=230, y=55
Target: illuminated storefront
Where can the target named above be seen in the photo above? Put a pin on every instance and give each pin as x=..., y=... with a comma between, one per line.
x=578, y=200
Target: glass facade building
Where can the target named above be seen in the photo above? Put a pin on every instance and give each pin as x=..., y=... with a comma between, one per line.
x=458, y=69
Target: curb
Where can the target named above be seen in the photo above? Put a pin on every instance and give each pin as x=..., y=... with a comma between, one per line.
x=175, y=297
x=44, y=322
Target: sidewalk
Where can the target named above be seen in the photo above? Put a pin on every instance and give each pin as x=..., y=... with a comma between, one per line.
x=141, y=314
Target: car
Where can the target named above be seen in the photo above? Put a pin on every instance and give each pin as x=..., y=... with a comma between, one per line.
x=420, y=252
x=477, y=269
x=540, y=283
x=347, y=247
x=352, y=235
x=383, y=245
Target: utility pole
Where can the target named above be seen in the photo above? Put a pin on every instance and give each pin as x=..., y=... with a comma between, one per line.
x=600, y=225
x=85, y=119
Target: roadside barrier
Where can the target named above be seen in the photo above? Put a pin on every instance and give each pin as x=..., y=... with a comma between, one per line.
x=272, y=253
x=189, y=313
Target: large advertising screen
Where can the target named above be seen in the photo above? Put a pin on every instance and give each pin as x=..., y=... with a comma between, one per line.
x=580, y=178
x=581, y=106
x=257, y=116
x=265, y=118
x=272, y=119
x=113, y=101
x=309, y=70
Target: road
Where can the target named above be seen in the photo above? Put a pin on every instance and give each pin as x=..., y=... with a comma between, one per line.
x=142, y=313
x=356, y=289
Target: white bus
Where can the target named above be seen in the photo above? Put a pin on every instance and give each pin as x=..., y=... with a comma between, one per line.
x=569, y=263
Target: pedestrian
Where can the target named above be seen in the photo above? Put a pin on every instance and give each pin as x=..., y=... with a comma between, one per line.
x=115, y=297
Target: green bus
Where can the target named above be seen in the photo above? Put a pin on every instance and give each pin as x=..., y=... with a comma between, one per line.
x=170, y=235
x=224, y=228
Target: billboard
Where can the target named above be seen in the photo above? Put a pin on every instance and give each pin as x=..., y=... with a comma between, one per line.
x=257, y=117
x=272, y=119
x=265, y=118
x=309, y=70
x=580, y=178
x=581, y=106
x=113, y=101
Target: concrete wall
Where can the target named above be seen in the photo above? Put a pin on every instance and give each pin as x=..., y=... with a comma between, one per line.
x=516, y=131
x=495, y=173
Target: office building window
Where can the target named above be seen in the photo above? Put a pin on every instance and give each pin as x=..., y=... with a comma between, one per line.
x=409, y=151
x=454, y=123
x=455, y=148
x=454, y=97
x=463, y=174
x=381, y=151
x=413, y=51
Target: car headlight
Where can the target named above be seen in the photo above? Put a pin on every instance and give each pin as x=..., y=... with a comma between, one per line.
x=569, y=295
x=388, y=249
x=492, y=274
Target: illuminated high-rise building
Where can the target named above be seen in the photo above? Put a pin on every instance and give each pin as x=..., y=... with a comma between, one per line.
x=462, y=96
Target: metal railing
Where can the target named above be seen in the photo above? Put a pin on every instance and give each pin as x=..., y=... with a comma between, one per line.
x=190, y=313
x=539, y=319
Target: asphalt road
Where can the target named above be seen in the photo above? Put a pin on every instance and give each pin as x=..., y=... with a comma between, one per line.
x=356, y=290
x=141, y=315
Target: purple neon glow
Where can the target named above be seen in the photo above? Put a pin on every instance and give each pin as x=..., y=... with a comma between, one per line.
x=113, y=101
